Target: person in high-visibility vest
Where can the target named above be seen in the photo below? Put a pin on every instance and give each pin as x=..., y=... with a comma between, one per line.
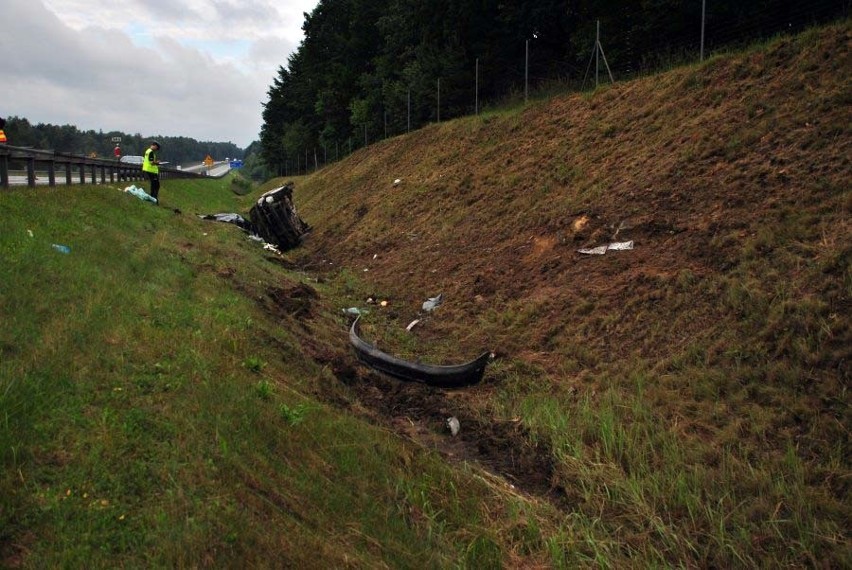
x=151, y=166
x=2, y=134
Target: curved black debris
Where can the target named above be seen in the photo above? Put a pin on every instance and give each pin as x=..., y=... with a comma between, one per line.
x=436, y=375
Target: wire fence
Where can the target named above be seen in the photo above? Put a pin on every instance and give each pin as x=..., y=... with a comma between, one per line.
x=704, y=29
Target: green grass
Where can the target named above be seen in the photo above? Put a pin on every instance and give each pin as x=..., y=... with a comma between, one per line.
x=158, y=409
x=149, y=417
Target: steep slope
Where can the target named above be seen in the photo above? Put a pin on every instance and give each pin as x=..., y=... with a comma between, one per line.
x=689, y=164
x=697, y=366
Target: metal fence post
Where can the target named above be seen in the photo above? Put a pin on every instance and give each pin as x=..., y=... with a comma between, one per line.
x=703, y=12
x=476, y=103
x=527, y=72
x=439, y=99
x=597, y=51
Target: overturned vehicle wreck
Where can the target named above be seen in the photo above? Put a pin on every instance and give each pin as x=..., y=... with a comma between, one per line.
x=445, y=376
x=275, y=219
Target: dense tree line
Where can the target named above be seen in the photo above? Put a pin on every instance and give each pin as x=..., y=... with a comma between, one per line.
x=367, y=68
x=68, y=138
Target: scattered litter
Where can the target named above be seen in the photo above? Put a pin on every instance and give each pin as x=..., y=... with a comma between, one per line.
x=31, y=233
x=397, y=182
x=140, y=193
x=231, y=219
x=623, y=225
x=354, y=311
x=453, y=425
x=384, y=303
x=270, y=247
x=61, y=248
x=412, y=324
x=602, y=249
x=375, y=255
x=432, y=303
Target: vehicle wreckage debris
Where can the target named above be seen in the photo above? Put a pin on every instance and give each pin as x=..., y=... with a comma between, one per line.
x=602, y=249
x=433, y=303
x=231, y=218
x=446, y=376
x=275, y=217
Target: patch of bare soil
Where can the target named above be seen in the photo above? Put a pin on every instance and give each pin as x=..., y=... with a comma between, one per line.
x=421, y=413
x=295, y=301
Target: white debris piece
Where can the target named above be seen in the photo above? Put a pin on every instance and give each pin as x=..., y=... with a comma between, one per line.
x=432, y=303
x=602, y=249
x=453, y=425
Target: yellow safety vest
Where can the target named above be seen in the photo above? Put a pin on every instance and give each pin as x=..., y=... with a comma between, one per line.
x=148, y=162
x=2, y=137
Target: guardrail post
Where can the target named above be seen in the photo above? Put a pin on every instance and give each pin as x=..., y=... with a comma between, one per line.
x=51, y=173
x=4, y=171
x=68, y=173
x=82, y=173
x=31, y=172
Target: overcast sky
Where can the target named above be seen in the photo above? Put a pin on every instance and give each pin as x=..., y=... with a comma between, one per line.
x=194, y=68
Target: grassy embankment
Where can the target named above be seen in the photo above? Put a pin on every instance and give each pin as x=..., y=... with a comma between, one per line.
x=692, y=392
x=153, y=414
x=170, y=394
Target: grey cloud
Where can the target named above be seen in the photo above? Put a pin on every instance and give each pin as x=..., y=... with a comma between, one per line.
x=98, y=79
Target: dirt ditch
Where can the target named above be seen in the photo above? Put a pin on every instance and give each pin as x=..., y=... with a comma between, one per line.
x=420, y=413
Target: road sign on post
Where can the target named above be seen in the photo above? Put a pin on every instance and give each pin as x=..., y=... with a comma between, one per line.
x=116, y=139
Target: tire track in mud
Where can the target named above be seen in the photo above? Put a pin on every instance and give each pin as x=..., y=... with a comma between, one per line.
x=503, y=448
x=420, y=412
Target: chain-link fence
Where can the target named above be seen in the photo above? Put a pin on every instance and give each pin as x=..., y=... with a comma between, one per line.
x=617, y=50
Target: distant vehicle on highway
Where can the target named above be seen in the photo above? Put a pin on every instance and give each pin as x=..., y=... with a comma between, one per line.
x=131, y=159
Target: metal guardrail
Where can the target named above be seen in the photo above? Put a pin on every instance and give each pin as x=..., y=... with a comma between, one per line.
x=76, y=168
